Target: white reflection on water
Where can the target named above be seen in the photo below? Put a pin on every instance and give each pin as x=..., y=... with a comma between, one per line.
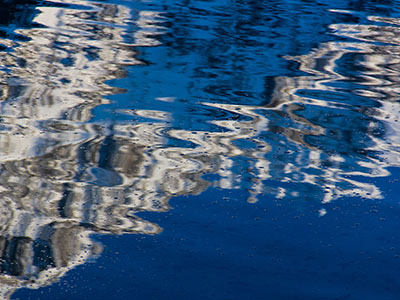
x=50, y=83
x=328, y=87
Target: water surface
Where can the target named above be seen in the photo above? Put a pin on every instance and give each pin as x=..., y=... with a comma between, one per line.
x=199, y=149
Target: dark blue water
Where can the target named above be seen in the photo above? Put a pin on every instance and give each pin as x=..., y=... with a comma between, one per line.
x=199, y=149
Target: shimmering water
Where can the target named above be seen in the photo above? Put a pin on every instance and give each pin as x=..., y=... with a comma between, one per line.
x=199, y=149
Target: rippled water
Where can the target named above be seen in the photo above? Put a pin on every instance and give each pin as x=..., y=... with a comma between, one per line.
x=251, y=147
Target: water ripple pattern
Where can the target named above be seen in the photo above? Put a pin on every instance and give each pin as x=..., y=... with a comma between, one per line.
x=63, y=178
x=111, y=108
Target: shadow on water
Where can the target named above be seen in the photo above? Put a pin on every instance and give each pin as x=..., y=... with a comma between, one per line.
x=109, y=109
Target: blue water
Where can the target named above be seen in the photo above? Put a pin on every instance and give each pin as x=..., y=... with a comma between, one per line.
x=199, y=149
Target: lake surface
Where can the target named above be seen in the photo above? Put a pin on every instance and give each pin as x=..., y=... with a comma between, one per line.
x=213, y=149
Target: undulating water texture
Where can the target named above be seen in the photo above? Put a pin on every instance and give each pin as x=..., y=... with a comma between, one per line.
x=116, y=113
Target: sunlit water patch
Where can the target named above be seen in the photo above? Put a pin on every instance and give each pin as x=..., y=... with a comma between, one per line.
x=110, y=109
